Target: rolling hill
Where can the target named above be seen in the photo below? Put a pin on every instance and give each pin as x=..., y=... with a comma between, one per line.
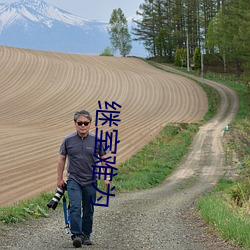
x=40, y=91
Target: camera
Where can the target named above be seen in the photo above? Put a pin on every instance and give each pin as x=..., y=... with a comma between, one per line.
x=58, y=195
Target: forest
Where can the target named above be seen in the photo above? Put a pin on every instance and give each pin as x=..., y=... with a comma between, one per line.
x=181, y=31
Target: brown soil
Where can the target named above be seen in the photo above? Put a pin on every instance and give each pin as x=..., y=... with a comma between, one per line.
x=40, y=91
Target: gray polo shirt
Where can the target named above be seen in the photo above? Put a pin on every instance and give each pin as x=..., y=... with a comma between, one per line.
x=80, y=153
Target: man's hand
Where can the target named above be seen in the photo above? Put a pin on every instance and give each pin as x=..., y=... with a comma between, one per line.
x=60, y=183
x=106, y=182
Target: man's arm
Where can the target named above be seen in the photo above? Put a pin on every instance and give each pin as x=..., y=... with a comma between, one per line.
x=60, y=170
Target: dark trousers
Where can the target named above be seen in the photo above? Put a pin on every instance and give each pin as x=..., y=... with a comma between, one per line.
x=81, y=210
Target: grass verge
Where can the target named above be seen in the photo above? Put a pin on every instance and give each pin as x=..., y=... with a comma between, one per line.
x=217, y=210
x=25, y=210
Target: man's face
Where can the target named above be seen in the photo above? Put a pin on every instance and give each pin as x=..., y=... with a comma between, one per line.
x=82, y=125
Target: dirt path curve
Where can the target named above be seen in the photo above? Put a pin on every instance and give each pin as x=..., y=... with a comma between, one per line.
x=159, y=218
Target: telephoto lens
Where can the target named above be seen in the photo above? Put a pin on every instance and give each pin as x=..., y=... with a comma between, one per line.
x=54, y=201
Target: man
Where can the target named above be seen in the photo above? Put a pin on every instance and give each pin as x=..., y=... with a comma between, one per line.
x=79, y=149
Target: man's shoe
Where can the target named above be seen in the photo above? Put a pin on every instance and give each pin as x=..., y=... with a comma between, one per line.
x=86, y=240
x=77, y=242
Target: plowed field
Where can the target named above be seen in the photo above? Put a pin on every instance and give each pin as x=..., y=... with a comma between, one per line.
x=40, y=91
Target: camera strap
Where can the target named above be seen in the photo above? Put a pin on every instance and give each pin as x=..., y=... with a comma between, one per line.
x=66, y=212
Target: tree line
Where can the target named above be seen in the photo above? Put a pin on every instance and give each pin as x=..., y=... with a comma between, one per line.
x=167, y=28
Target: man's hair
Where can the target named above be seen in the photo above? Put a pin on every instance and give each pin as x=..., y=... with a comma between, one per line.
x=82, y=113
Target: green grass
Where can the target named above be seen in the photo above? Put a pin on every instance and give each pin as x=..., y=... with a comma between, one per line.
x=230, y=224
x=24, y=210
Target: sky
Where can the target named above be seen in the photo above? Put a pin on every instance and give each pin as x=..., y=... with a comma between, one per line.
x=99, y=10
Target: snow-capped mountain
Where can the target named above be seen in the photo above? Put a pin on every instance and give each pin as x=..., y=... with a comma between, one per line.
x=36, y=24
x=36, y=11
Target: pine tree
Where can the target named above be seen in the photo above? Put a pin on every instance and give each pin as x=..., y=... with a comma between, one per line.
x=146, y=26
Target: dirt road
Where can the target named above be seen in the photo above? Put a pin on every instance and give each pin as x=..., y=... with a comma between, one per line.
x=158, y=218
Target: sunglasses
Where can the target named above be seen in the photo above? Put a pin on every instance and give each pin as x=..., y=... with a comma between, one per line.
x=83, y=123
